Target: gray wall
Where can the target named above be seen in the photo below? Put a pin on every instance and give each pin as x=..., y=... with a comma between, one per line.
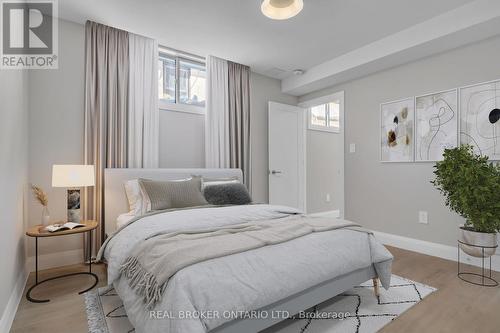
x=387, y=197
x=182, y=140
x=324, y=154
x=13, y=179
x=56, y=129
x=262, y=90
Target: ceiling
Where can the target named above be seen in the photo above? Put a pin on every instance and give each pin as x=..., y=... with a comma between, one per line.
x=236, y=29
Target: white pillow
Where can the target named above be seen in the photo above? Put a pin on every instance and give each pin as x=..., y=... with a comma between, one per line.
x=145, y=202
x=217, y=181
x=138, y=202
x=133, y=192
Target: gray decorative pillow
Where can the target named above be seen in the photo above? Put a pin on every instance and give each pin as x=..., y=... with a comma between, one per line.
x=173, y=194
x=227, y=194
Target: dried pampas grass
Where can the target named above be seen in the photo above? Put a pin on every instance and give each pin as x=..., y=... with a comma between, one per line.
x=40, y=195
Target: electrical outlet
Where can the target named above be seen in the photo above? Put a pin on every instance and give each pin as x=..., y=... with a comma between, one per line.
x=423, y=217
x=327, y=198
x=352, y=148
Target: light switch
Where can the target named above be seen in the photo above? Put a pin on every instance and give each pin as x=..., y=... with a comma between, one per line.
x=423, y=217
x=352, y=148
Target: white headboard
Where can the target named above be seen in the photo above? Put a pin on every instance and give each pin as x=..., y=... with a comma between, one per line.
x=115, y=199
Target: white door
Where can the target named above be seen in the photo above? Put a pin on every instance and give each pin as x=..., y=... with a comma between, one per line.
x=287, y=139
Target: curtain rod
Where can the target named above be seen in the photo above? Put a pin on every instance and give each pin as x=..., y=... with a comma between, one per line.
x=182, y=53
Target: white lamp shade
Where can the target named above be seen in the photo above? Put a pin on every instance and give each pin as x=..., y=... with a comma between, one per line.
x=281, y=9
x=73, y=175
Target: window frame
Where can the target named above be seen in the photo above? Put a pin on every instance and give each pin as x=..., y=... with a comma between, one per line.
x=337, y=96
x=178, y=106
x=327, y=127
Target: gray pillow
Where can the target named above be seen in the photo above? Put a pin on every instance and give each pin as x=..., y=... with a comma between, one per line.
x=173, y=194
x=227, y=194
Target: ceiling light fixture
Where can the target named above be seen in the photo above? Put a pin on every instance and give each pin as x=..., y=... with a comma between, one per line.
x=281, y=9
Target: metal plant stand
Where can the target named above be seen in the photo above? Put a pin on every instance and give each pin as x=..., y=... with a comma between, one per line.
x=486, y=280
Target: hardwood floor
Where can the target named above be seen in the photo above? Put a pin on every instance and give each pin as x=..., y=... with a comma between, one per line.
x=456, y=307
x=66, y=310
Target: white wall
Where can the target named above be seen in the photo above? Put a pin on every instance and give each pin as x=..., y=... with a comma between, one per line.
x=13, y=180
x=387, y=197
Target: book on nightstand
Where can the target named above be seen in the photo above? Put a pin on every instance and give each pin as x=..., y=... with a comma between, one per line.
x=65, y=226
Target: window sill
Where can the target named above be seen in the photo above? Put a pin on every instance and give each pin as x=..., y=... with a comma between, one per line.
x=181, y=108
x=324, y=129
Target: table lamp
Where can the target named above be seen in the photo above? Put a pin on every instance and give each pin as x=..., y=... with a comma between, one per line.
x=73, y=177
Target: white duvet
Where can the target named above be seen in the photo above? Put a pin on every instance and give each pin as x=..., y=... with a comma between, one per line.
x=239, y=282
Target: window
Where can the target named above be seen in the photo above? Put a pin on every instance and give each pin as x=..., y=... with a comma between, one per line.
x=318, y=115
x=166, y=75
x=325, y=117
x=192, y=80
x=181, y=84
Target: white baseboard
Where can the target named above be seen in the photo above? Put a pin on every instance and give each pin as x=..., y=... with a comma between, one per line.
x=56, y=259
x=434, y=249
x=11, y=308
x=330, y=213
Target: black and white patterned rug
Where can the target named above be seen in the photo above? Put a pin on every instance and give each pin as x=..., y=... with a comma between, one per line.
x=356, y=310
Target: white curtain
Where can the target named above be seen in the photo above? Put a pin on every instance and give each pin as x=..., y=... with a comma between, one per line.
x=143, y=111
x=227, y=126
x=217, y=114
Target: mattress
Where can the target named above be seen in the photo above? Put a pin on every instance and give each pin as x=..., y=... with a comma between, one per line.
x=123, y=219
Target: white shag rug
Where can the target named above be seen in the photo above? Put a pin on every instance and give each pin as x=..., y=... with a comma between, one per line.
x=356, y=310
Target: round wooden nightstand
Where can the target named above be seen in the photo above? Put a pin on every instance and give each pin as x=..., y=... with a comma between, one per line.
x=39, y=231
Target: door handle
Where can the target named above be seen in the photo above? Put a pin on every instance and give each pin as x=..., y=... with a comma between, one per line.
x=274, y=172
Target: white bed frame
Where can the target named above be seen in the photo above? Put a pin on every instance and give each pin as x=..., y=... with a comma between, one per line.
x=115, y=203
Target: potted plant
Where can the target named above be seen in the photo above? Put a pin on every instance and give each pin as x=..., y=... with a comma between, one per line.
x=471, y=186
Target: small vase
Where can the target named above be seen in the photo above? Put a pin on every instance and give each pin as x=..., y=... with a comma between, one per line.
x=45, y=216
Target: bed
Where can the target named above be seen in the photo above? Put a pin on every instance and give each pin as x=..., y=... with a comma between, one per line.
x=242, y=292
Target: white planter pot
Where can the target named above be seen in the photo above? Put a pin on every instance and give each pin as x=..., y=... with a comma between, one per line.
x=478, y=239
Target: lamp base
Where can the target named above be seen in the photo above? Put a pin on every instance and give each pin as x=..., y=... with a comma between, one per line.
x=73, y=205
